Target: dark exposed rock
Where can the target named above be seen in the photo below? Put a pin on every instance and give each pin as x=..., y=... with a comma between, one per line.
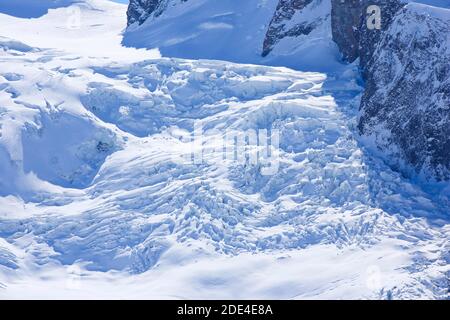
x=405, y=109
x=104, y=146
x=278, y=29
x=346, y=21
x=370, y=38
x=141, y=10
x=349, y=26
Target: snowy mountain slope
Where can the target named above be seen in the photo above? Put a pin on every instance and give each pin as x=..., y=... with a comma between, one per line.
x=141, y=10
x=293, y=33
x=101, y=196
x=236, y=28
x=239, y=31
x=31, y=8
x=87, y=28
x=293, y=19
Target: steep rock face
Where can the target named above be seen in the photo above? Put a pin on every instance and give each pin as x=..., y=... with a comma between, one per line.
x=346, y=20
x=301, y=31
x=141, y=10
x=370, y=38
x=294, y=18
x=279, y=26
x=349, y=24
x=405, y=110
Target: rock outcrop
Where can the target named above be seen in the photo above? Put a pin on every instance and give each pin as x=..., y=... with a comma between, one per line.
x=405, y=109
x=349, y=25
x=140, y=10
x=280, y=26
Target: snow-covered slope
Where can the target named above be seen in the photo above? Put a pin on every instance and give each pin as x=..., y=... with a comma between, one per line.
x=217, y=29
x=253, y=31
x=88, y=28
x=104, y=191
x=293, y=33
x=31, y=8
x=297, y=20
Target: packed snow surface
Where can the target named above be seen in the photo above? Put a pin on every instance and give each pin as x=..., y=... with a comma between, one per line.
x=102, y=196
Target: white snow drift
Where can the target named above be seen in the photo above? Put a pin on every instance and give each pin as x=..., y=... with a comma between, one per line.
x=98, y=197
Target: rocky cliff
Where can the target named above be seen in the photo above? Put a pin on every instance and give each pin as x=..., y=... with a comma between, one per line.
x=141, y=10
x=281, y=25
x=354, y=26
x=405, y=109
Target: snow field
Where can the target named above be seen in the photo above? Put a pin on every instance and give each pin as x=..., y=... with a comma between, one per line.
x=99, y=196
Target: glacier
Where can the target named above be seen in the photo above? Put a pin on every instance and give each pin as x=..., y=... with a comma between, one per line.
x=100, y=197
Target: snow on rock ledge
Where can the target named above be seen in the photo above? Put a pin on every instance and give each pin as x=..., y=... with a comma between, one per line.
x=141, y=10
